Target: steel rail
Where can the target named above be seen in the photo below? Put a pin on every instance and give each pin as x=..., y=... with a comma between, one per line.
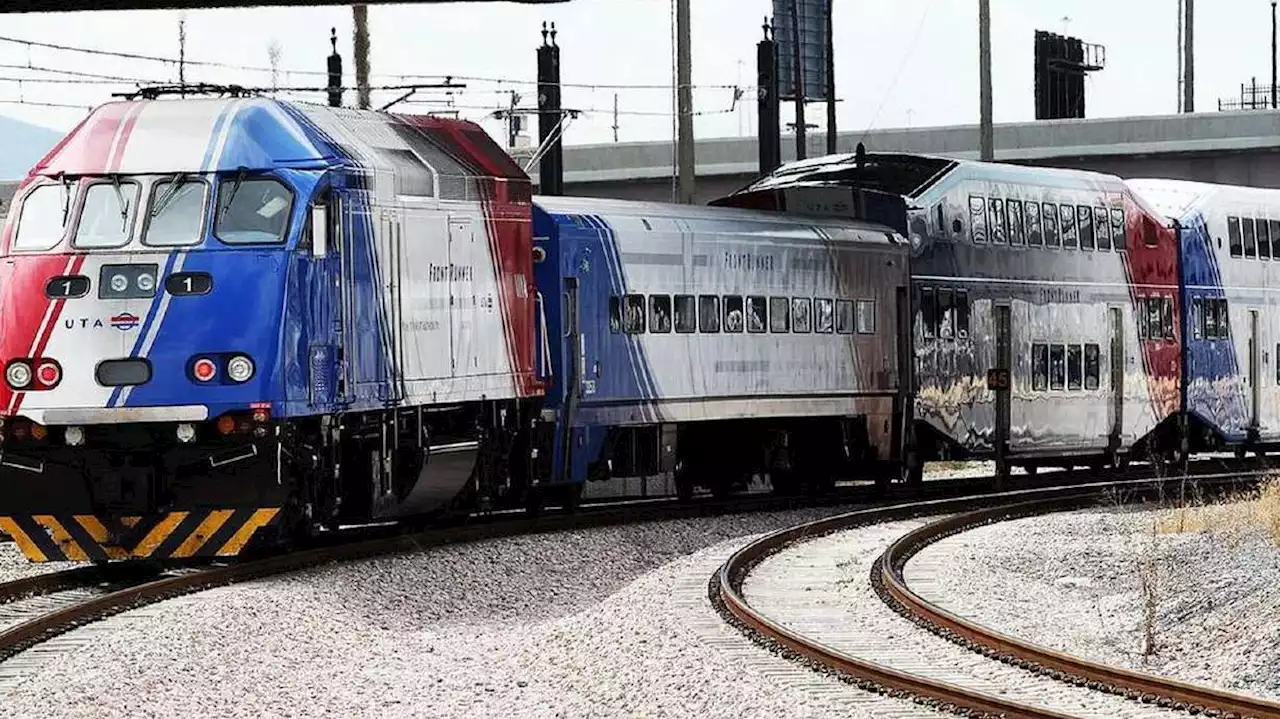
x=725, y=590
x=972, y=635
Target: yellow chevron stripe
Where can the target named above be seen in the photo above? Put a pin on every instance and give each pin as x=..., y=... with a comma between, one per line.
x=29, y=548
x=207, y=529
x=242, y=535
x=95, y=528
x=158, y=534
x=61, y=537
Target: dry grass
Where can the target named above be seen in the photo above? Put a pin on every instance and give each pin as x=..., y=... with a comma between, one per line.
x=1258, y=509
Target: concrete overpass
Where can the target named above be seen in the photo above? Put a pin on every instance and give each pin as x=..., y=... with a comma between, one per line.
x=1230, y=147
x=1235, y=147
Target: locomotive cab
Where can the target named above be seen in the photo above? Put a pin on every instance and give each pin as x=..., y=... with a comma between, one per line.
x=139, y=346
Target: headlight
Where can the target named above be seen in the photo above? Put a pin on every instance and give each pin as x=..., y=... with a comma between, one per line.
x=146, y=282
x=240, y=368
x=18, y=375
x=119, y=283
x=186, y=432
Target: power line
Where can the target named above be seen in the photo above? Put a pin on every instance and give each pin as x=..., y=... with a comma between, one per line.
x=45, y=104
x=409, y=76
x=75, y=73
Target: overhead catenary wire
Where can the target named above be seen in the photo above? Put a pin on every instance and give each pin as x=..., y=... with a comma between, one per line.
x=321, y=73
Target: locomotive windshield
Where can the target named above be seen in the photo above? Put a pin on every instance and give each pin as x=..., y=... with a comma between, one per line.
x=252, y=211
x=43, y=219
x=107, y=217
x=177, y=212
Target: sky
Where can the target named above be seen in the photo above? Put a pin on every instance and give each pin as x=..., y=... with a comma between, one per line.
x=898, y=64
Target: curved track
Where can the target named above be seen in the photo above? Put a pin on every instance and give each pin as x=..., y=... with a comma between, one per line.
x=874, y=669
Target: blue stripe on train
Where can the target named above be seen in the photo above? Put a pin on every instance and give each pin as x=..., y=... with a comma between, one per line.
x=1214, y=392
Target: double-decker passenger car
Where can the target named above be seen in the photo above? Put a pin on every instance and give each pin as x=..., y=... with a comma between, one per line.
x=1230, y=250
x=1064, y=279
x=721, y=343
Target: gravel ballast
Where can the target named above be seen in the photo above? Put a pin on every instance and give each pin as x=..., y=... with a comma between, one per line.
x=1074, y=582
x=600, y=623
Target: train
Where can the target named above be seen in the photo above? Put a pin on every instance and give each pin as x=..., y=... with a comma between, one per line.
x=237, y=322
x=234, y=323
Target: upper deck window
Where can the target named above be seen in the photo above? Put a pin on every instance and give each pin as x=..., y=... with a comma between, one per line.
x=176, y=213
x=252, y=211
x=42, y=221
x=107, y=217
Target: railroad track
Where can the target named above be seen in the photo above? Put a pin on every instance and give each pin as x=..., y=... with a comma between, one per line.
x=38, y=609
x=955, y=665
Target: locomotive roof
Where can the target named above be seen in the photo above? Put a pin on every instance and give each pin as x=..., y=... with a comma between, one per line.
x=259, y=134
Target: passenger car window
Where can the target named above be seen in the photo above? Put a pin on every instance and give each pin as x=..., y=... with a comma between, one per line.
x=757, y=314
x=1075, y=367
x=1057, y=367
x=1118, y=229
x=615, y=314
x=779, y=314
x=41, y=222
x=962, y=314
x=659, y=313
x=1102, y=228
x=1034, y=236
x=252, y=211
x=1233, y=237
x=1068, y=217
x=1016, y=225
x=824, y=319
x=1084, y=226
x=801, y=314
x=1051, y=238
x=996, y=223
x=1039, y=367
x=733, y=310
x=844, y=317
x=709, y=313
x=977, y=218
x=1264, y=240
x=686, y=314
x=928, y=316
x=946, y=314
x=1091, y=366
x=633, y=318
x=108, y=214
x=1250, y=242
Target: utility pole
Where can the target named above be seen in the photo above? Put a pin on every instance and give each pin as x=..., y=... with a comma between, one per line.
x=360, y=16
x=799, y=81
x=335, y=71
x=1180, y=47
x=182, y=51
x=684, y=102
x=831, y=82
x=615, y=117
x=1188, y=58
x=986, y=133
x=1273, y=54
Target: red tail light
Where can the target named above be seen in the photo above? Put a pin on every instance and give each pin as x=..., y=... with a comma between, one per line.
x=48, y=373
x=204, y=369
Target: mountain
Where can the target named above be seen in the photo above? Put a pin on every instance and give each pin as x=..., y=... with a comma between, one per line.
x=22, y=145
